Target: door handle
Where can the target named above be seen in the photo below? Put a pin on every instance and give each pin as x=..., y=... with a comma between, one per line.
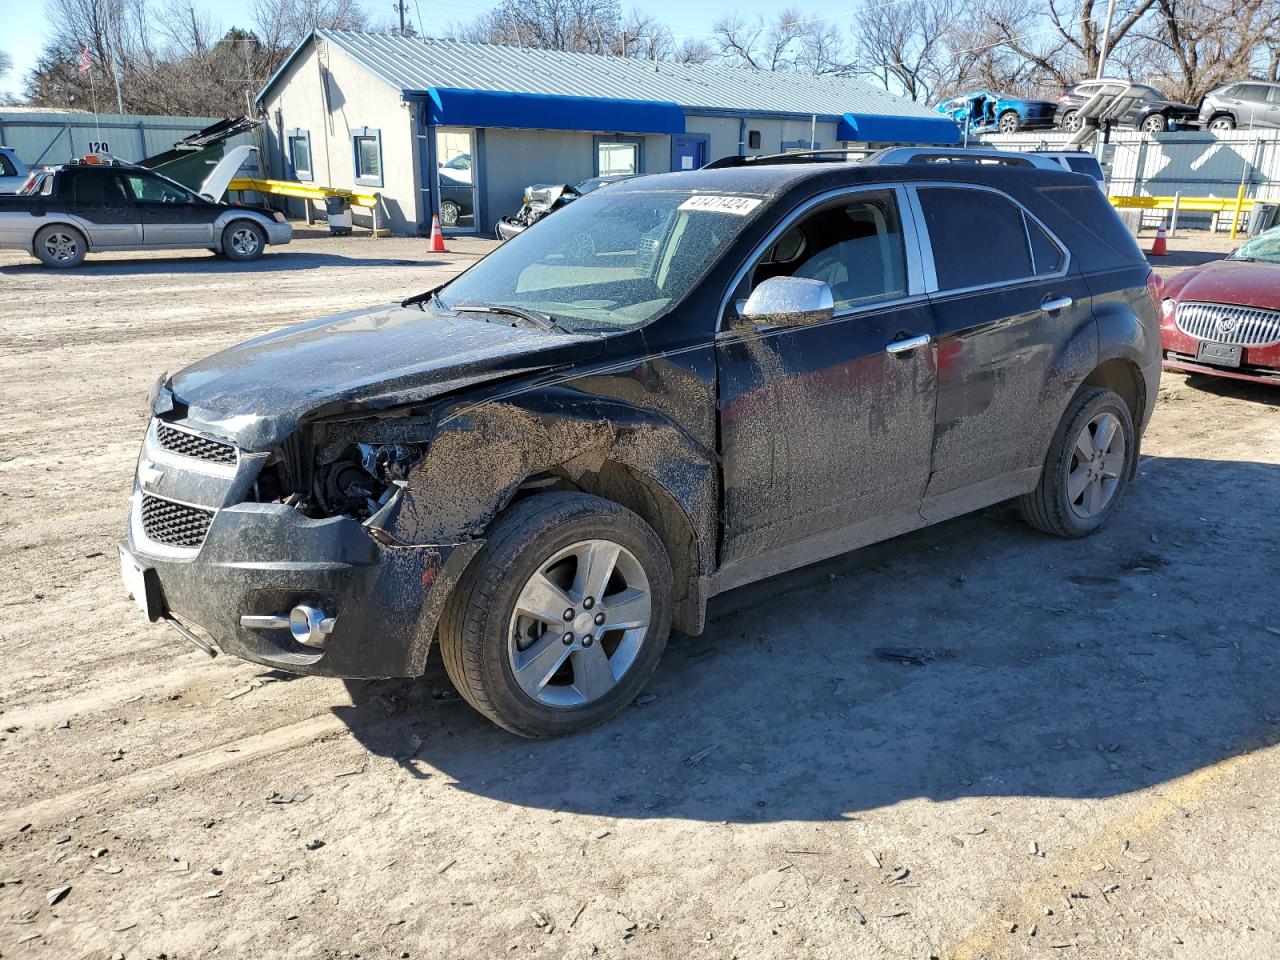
x=1054, y=304
x=908, y=344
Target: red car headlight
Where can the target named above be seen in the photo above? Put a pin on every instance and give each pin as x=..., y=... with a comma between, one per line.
x=1167, y=307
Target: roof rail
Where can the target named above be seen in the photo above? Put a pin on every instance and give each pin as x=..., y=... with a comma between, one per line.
x=798, y=156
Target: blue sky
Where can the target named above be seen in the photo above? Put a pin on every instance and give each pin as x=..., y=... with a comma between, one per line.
x=23, y=36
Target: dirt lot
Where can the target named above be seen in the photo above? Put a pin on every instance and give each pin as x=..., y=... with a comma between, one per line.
x=1088, y=769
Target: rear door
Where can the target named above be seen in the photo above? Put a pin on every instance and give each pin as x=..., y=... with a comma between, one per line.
x=171, y=214
x=101, y=199
x=1006, y=300
x=829, y=426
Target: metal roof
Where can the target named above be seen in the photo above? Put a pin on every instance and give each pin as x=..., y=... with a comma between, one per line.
x=415, y=65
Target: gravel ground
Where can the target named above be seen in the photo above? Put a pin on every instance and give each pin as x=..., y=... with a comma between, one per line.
x=1087, y=769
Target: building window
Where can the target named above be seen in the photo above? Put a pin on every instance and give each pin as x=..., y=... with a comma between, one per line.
x=367, y=146
x=753, y=139
x=618, y=156
x=300, y=154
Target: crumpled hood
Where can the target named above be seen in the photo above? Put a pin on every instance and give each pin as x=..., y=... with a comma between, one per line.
x=258, y=391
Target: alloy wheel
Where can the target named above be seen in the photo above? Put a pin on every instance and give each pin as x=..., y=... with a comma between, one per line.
x=61, y=246
x=579, y=623
x=244, y=241
x=1097, y=464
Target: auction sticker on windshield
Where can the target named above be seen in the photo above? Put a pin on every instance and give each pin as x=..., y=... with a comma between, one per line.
x=713, y=204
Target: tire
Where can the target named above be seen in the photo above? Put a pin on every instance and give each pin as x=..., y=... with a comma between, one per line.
x=1052, y=506
x=482, y=631
x=450, y=213
x=1009, y=122
x=243, y=241
x=1071, y=121
x=60, y=246
x=1222, y=124
x=1156, y=123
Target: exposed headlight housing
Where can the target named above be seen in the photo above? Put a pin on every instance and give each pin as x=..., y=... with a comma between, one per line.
x=1168, y=306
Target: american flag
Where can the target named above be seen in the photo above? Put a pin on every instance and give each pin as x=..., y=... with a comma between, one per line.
x=85, y=63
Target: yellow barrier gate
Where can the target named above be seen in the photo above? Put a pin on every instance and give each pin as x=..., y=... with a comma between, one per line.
x=1236, y=206
x=308, y=191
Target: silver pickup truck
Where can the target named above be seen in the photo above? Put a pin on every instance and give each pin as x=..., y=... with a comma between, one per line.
x=65, y=212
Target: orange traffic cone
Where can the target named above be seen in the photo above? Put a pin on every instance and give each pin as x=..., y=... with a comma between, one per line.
x=1159, y=248
x=437, y=236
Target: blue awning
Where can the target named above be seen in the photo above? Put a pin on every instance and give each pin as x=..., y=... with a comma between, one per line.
x=539, y=111
x=882, y=128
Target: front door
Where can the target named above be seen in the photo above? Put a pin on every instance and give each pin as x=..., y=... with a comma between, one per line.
x=1002, y=320
x=171, y=214
x=688, y=153
x=101, y=199
x=822, y=427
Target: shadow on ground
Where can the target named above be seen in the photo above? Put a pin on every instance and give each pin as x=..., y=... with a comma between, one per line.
x=1263, y=394
x=103, y=265
x=1080, y=669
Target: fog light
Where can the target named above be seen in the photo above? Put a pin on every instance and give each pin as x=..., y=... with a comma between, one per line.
x=309, y=626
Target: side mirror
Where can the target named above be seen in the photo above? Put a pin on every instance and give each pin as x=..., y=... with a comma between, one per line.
x=787, y=302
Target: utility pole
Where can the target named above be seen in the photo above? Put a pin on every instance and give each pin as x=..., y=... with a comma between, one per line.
x=400, y=9
x=1106, y=39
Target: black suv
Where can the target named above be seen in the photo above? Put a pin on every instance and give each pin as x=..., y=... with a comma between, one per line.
x=673, y=387
x=1152, y=113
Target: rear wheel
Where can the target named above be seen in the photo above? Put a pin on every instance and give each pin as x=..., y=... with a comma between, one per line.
x=60, y=246
x=1010, y=122
x=1156, y=123
x=560, y=620
x=1087, y=468
x=243, y=241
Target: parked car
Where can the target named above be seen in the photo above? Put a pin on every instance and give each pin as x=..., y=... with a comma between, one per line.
x=1223, y=317
x=541, y=199
x=552, y=460
x=1153, y=113
x=456, y=200
x=1248, y=103
x=984, y=111
x=68, y=211
x=13, y=172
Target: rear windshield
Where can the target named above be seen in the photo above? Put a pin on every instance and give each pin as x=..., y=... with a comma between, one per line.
x=612, y=260
x=1086, y=165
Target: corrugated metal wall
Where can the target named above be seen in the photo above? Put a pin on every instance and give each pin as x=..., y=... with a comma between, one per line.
x=1196, y=164
x=53, y=137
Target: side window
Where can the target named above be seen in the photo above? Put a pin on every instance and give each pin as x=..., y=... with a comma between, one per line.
x=155, y=190
x=300, y=153
x=7, y=169
x=977, y=237
x=100, y=188
x=853, y=244
x=367, y=147
x=1046, y=256
x=1274, y=95
x=1253, y=92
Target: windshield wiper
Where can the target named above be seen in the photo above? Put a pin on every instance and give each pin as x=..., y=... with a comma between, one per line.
x=540, y=320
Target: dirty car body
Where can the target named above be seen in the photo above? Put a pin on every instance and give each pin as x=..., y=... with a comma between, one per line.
x=356, y=466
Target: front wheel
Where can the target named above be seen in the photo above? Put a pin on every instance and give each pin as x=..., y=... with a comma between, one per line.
x=450, y=213
x=1222, y=124
x=60, y=246
x=243, y=241
x=1156, y=123
x=560, y=620
x=1071, y=121
x=1087, y=468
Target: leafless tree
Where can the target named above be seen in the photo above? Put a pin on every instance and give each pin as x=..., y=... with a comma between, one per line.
x=1198, y=44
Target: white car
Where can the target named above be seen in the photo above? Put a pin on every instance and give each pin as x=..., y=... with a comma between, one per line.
x=13, y=172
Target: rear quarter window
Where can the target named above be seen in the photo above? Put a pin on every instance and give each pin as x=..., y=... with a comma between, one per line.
x=954, y=217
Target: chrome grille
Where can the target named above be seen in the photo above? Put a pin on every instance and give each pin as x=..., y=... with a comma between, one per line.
x=175, y=524
x=1222, y=323
x=193, y=445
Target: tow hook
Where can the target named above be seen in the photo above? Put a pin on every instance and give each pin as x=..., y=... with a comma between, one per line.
x=308, y=625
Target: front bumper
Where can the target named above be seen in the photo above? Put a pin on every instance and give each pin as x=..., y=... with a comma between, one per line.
x=279, y=233
x=263, y=559
x=1260, y=364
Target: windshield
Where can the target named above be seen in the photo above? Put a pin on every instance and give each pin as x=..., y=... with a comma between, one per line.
x=1265, y=247
x=609, y=261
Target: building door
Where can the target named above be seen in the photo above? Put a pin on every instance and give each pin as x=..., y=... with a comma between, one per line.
x=455, y=178
x=688, y=153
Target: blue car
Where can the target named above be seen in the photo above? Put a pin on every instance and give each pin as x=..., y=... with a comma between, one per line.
x=985, y=112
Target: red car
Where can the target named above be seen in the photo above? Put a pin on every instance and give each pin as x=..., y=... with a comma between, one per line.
x=1223, y=318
